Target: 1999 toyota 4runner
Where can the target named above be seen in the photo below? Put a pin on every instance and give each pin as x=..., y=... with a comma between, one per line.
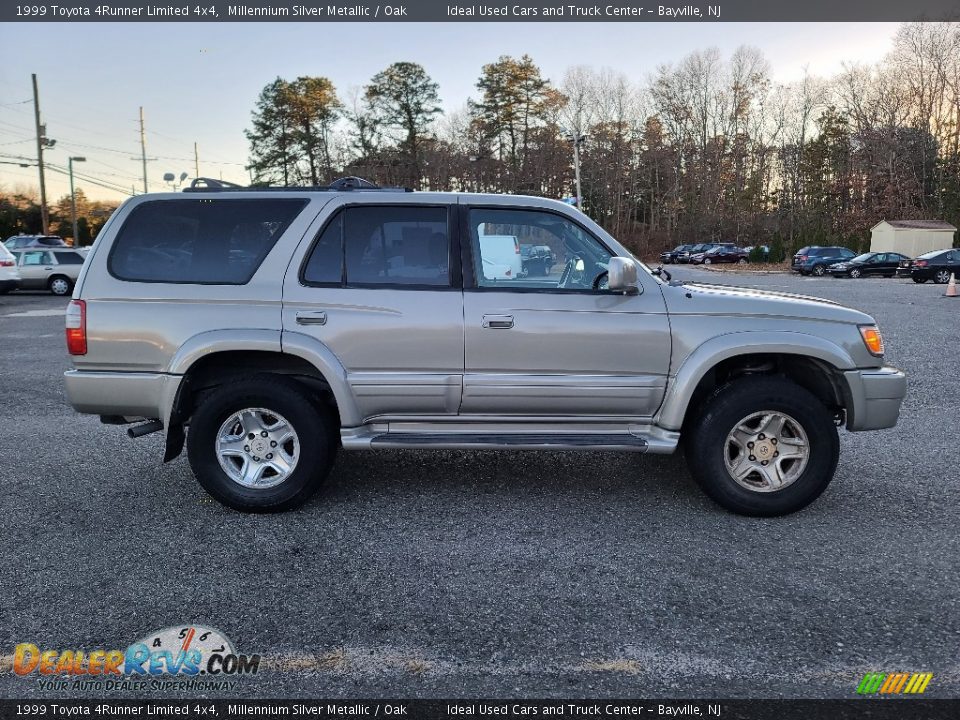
x=277, y=325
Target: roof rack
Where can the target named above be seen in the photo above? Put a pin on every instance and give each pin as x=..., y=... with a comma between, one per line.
x=203, y=184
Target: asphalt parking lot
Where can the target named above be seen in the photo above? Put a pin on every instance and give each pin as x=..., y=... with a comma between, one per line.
x=459, y=574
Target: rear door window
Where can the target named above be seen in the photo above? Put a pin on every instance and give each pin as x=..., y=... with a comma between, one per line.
x=394, y=245
x=203, y=241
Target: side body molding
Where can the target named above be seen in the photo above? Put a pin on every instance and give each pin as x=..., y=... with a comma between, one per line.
x=681, y=386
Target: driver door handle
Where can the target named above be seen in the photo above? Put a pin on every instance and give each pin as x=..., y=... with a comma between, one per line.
x=498, y=322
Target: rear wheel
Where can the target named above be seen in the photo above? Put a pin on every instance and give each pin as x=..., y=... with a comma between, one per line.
x=742, y=261
x=942, y=277
x=919, y=280
x=60, y=285
x=762, y=446
x=262, y=444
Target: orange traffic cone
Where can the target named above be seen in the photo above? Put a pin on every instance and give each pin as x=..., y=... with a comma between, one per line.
x=951, y=287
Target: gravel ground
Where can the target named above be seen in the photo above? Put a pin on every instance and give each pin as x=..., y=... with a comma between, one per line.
x=438, y=574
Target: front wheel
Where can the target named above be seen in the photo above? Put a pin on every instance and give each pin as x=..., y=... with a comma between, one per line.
x=762, y=446
x=855, y=273
x=742, y=261
x=262, y=444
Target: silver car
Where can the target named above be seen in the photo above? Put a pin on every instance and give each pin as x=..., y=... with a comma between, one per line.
x=267, y=330
x=55, y=269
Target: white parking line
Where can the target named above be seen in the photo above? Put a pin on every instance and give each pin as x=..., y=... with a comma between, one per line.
x=49, y=312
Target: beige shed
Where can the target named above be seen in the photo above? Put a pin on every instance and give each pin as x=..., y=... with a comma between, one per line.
x=911, y=237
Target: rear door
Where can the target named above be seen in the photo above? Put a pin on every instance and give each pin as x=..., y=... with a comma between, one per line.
x=379, y=285
x=557, y=345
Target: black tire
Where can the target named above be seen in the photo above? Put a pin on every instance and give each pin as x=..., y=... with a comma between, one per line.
x=941, y=277
x=919, y=280
x=819, y=270
x=60, y=285
x=314, y=424
x=855, y=273
x=706, y=437
x=742, y=261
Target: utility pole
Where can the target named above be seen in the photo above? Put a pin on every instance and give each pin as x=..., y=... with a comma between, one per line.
x=577, y=139
x=196, y=161
x=143, y=149
x=41, y=141
x=73, y=199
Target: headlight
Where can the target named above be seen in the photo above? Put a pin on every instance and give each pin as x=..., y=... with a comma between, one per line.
x=872, y=339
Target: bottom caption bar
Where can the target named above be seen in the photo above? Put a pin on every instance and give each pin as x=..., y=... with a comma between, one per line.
x=879, y=709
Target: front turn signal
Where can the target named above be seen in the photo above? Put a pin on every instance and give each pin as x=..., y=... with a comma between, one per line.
x=872, y=339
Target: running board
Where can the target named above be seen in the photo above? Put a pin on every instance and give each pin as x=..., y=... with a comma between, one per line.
x=659, y=441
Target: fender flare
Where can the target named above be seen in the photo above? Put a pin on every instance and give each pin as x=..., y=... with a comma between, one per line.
x=681, y=386
x=291, y=343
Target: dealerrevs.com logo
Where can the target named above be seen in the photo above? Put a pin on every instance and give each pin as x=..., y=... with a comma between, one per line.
x=175, y=657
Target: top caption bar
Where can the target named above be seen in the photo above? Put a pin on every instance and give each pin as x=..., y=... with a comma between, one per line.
x=637, y=11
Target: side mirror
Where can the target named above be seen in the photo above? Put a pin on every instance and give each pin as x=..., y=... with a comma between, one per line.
x=622, y=275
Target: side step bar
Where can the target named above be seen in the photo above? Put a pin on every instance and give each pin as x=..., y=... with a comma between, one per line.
x=512, y=441
x=379, y=438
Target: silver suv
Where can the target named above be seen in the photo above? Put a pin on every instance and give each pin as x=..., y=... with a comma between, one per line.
x=279, y=325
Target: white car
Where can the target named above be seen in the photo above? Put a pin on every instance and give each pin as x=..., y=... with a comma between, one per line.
x=9, y=274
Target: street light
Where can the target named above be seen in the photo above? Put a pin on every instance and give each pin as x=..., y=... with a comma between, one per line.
x=73, y=199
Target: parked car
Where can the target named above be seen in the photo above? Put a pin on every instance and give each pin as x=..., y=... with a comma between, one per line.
x=684, y=257
x=21, y=242
x=9, y=274
x=871, y=263
x=537, y=259
x=502, y=252
x=721, y=254
x=391, y=336
x=814, y=259
x=670, y=256
x=55, y=270
x=937, y=266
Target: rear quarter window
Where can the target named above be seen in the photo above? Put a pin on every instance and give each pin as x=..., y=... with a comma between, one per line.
x=201, y=241
x=69, y=258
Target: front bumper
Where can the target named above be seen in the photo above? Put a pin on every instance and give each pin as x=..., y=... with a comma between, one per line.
x=875, y=395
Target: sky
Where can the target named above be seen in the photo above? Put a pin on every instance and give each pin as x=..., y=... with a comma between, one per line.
x=198, y=82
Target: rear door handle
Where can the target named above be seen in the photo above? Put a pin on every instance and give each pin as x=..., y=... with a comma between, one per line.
x=318, y=317
x=498, y=322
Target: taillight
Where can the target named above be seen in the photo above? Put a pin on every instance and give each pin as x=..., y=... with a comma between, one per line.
x=516, y=246
x=77, y=327
x=920, y=263
x=801, y=258
x=7, y=263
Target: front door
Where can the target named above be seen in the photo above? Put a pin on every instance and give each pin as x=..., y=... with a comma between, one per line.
x=558, y=344
x=376, y=288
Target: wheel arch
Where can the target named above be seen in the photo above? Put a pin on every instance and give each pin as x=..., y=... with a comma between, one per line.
x=810, y=361
x=218, y=357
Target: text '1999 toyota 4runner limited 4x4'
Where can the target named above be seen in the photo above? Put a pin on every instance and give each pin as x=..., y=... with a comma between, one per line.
x=267, y=328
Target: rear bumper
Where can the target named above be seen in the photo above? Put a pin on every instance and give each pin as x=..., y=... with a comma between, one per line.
x=8, y=285
x=130, y=394
x=875, y=397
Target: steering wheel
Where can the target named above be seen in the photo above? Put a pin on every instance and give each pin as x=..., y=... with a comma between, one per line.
x=567, y=273
x=601, y=281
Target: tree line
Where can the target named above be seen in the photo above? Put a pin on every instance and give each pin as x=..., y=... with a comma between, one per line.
x=705, y=149
x=20, y=215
